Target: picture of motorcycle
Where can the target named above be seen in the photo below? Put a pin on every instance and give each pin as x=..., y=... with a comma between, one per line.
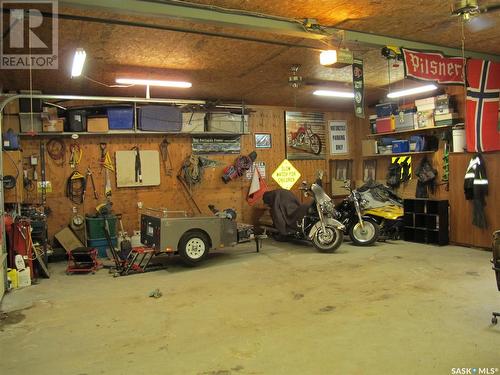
x=305, y=139
x=313, y=221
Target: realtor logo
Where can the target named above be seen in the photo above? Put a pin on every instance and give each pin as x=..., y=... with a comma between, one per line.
x=30, y=34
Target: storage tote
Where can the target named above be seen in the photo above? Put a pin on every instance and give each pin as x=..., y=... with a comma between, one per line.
x=385, y=124
x=120, y=118
x=30, y=122
x=400, y=146
x=227, y=123
x=76, y=120
x=386, y=109
x=160, y=118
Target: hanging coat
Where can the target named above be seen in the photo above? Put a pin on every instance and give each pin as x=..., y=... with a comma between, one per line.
x=476, y=189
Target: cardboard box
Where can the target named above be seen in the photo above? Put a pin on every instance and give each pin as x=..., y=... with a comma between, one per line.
x=193, y=122
x=53, y=126
x=425, y=119
x=368, y=147
x=97, y=124
x=431, y=102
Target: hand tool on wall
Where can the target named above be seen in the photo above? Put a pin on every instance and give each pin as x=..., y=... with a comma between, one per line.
x=90, y=177
x=107, y=164
x=138, y=168
x=75, y=153
x=165, y=157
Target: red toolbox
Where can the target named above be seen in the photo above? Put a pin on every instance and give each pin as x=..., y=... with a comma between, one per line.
x=385, y=124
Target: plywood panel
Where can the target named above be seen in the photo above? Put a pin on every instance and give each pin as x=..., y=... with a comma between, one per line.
x=125, y=168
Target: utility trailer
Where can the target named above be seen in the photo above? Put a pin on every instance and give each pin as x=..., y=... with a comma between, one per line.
x=174, y=232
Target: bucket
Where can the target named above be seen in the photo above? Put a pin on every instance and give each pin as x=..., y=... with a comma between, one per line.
x=458, y=140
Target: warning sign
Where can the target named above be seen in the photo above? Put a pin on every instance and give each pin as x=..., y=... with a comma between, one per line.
x=286, y=175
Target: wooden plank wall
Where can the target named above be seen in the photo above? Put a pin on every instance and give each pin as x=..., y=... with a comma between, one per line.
x=213, y=191
x=170, y=193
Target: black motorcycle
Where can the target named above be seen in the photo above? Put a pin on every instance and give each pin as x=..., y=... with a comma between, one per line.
x=363, y=230
x=313, y=221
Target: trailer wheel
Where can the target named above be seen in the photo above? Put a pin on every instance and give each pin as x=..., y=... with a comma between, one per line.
x=193, y=247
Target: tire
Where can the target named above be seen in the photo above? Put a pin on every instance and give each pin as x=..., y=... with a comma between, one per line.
x=315, y=144
x=333, y=241
x=365, y=236
x=193, y=247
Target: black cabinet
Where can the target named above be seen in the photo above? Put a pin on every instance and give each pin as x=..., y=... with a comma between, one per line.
x=426, y=221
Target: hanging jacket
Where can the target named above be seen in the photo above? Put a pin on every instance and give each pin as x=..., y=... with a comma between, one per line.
x=476, y=182
x=476, y=188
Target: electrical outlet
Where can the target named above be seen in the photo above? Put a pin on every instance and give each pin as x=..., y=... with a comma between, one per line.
x=139, y=204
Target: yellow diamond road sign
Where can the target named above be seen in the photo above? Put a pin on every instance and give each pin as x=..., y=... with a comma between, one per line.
x=286, y=175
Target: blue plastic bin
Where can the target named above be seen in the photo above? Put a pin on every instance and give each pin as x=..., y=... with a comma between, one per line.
x=120, y=118
x=400, y=146
x=101, y=245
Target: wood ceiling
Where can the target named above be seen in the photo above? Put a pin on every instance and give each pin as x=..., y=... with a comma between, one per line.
x=235, y=70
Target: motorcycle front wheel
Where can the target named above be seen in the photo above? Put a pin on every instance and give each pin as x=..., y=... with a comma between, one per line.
x=366, y=235
x=329, y=241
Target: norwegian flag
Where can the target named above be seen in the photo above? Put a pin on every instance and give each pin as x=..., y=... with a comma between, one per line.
x=483, y=95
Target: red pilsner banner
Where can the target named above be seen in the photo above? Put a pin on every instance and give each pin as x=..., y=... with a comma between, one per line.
x=433, y=66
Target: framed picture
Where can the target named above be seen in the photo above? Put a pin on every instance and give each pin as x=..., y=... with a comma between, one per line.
x=340, y=171
x=263, y=140
x=305, y=135
x=338, y=137
x=369, y=170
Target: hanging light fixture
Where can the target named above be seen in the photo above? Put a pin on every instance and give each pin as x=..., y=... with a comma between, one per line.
x=78, y=62
x=412, y=91
x=328, y=57
x=334, y=93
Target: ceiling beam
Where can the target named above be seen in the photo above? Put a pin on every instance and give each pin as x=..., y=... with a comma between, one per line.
x=255, y=22
x=199, y=14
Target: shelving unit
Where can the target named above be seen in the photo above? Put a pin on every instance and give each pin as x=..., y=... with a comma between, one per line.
x=435, y=128
x=121, y=100
x=426, y=221
x=131, y=132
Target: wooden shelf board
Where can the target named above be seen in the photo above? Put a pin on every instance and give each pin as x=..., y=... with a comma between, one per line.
x=131, y=132
x=410, y=131
x=398, y=154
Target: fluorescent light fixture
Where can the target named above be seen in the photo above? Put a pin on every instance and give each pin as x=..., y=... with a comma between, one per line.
x=413, y=91
x=328, y=57
x=152, y=82
x=78, y=62
x=333, y=93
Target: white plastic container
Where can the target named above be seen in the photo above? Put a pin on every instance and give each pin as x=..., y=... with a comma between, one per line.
x=459, y=140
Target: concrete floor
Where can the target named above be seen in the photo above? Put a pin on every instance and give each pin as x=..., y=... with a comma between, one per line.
x=397, y=308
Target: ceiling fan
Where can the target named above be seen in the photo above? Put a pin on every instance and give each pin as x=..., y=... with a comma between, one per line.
x=472, y=14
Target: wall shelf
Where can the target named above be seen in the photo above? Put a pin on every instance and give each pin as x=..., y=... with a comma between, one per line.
x=437, y=128
x=131, y=132
x=398, y=154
